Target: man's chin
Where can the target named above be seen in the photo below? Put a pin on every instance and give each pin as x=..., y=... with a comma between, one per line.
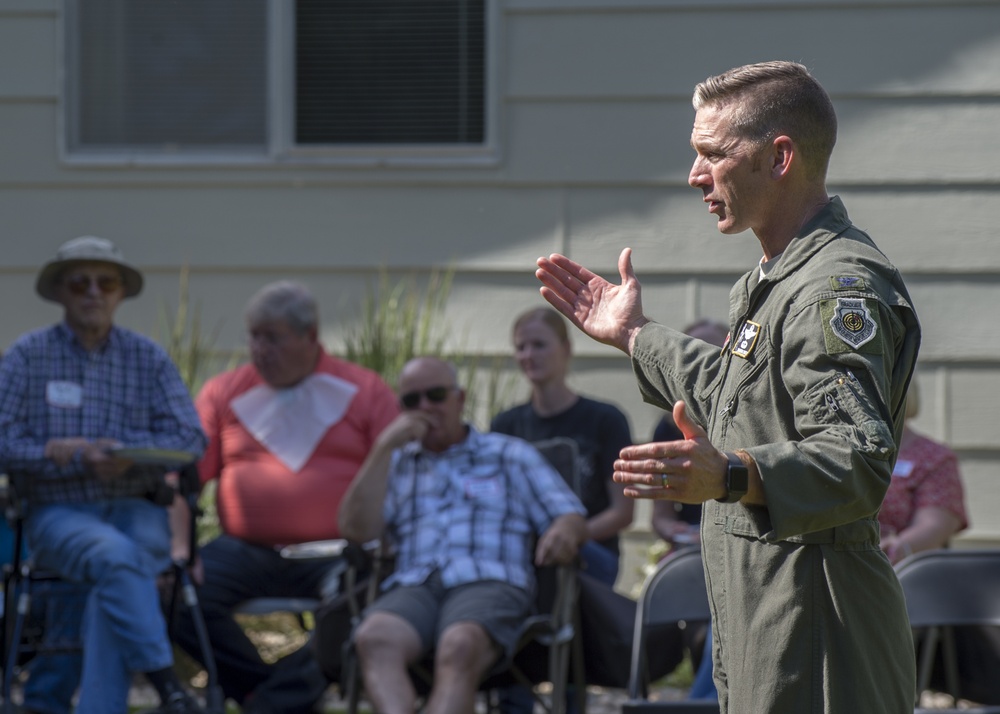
x=728, y=228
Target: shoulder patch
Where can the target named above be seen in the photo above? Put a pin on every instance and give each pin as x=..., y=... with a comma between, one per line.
x=847, y=282
x=848, y=324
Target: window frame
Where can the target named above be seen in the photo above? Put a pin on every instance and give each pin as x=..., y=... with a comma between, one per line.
x=279, y=147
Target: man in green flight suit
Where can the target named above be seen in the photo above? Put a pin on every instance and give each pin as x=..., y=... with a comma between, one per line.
x=791, y=431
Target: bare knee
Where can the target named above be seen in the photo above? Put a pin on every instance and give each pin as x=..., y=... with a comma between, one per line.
x=465, y=646
x=384, y=636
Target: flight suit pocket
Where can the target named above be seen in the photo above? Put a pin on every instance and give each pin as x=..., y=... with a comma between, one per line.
x=840, y=400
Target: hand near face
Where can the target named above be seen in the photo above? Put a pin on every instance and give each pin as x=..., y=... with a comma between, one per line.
x=408, y=426
x=609, y=313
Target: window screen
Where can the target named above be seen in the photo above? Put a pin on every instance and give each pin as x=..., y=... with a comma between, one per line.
x=389, y=72
x=169, y=73
x=183, y=77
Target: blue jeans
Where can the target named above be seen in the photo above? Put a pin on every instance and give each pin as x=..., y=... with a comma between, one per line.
x=117, y=547
x=703, y=686
x=54, y=677
x=599, y=562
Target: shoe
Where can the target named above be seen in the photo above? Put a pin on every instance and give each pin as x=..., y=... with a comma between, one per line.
x=178, y=703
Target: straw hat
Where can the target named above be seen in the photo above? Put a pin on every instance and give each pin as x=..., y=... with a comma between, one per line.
x=86, y=249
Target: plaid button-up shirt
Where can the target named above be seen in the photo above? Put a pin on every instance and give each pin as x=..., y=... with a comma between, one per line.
x=473, y=512
x=127, y=389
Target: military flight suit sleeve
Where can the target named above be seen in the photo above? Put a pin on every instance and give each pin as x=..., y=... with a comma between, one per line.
x=670, y=367
x=837, y=467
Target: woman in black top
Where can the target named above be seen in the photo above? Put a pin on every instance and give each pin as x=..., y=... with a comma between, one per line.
x=600, y=430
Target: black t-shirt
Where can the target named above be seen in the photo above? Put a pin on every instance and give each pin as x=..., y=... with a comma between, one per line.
x=600, y=430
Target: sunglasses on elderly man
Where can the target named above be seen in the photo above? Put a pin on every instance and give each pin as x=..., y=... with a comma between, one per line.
x=436, y=395
x=80, y=284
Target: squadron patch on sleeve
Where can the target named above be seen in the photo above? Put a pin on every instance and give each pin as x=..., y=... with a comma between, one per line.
x=850, y=322
x=746, y=339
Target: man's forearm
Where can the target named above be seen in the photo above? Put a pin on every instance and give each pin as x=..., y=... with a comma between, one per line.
x=359, y=518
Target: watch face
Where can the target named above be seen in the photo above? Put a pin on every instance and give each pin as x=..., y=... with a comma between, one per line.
x=737, y=480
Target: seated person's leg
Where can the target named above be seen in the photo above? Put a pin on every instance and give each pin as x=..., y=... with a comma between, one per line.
x=118, y=548
x=599, y=562
x=478, y=627
x=231, y=574
x=703, y=686
x=235, y=571
x=54, y=676
x=398, y=628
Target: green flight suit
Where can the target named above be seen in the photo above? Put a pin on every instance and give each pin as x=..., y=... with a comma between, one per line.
x=808, y=616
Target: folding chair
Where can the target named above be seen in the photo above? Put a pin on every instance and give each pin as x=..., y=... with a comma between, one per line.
x=548, y=646
x=301, y=607
x=544, y=652
x=564, y=455
x=675, y=592
x=946, y=588
x=22, y=579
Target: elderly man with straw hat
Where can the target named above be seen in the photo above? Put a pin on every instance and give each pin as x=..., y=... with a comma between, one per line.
x=73, y=396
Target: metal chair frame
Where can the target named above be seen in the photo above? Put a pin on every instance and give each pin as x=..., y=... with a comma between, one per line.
x=945, y=588
x=21, y=576
x=675, y=592
x=557, y=630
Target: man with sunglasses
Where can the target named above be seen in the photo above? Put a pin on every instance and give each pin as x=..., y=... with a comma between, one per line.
x=286, y=436
x=469, y=514
x=69, y=395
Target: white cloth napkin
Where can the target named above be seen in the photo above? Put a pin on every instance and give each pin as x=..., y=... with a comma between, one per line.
x=291, y=422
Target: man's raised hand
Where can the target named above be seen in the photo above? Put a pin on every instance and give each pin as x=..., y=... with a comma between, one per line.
x=608, y=313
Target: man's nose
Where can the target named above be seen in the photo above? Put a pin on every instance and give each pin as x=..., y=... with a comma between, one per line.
x=698, y=175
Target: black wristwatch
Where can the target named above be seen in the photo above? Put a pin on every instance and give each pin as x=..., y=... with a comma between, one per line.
x=737, y=479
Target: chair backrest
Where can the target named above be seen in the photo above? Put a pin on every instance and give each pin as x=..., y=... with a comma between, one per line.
x=951, y=587
x=672, y=593
x=564, y=455
x=946, y=588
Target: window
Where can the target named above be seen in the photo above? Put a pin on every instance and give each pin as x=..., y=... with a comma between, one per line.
x=277, y=80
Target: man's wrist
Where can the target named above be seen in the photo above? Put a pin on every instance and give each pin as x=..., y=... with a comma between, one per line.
x=737, y=479
x=633, y=332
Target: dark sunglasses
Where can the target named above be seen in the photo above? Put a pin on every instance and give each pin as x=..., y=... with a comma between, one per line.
x=80, y=284
x=436, y=395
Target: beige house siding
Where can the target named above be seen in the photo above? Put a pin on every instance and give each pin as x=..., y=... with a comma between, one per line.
x=594, y=116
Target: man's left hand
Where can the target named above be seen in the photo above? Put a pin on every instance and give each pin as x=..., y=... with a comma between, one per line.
x=561, y=542
x=106, y=466
x=62, y=451
x=688, y=471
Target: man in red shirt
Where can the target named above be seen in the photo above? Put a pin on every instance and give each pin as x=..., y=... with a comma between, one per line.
x=287, y=434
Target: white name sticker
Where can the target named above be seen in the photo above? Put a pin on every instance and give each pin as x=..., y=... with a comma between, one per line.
x=483, y=489
x=65, y=395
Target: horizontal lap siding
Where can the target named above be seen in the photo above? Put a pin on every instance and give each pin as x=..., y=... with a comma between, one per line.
x=594, y=156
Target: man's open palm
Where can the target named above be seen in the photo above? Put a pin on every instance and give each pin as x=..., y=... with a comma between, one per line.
x=606, y=312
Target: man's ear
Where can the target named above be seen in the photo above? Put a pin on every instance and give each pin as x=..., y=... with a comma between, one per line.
x=783, y=154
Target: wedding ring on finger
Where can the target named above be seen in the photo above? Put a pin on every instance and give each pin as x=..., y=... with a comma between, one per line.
x=663, y=480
